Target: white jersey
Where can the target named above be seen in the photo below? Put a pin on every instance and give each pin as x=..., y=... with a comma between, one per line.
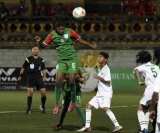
x=104, y=90
x=157, y=89
x=157, y=86
x=149, y=71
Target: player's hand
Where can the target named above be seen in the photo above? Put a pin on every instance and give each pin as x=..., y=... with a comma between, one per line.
x=19, y=78
x=37, y=38
x=44, y=79
x=96, y=76
x=141, y=83
x=93, y=45
x=152, y=114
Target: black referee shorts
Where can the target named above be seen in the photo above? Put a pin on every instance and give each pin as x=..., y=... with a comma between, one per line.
x=35, y=81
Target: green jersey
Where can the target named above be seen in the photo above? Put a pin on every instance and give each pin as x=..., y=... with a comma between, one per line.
x=63, y=43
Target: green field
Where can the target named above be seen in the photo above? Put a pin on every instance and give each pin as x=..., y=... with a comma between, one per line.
x=14, y=120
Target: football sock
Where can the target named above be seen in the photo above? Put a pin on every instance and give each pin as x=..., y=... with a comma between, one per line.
x=81, y=115
x=29, y=102
x=112, y=117
x=88, y=118
x=73, y=93
x=141, y=119
x=146, y=120
x=58, y=91
x=43, y=101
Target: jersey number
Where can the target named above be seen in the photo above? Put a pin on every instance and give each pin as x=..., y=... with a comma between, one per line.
x=73, y=65
x=154, y=72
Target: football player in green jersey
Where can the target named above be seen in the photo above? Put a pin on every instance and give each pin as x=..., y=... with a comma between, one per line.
x=67, y=99
x=67, y=59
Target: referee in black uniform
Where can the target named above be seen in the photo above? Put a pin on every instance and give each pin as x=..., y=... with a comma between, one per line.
x=36, y=75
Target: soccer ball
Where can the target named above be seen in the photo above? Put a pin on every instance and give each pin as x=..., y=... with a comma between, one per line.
x=79, y=13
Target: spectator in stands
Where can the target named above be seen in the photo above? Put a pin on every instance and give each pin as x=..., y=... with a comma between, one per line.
x=60, y=11
x=3, y=11
x=21, y=9
x=33, y=4
x=43, y=11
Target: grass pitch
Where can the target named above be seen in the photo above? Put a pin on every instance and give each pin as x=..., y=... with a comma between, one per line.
x=14, y=120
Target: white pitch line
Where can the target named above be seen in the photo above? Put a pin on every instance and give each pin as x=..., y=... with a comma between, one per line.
x=7, y=112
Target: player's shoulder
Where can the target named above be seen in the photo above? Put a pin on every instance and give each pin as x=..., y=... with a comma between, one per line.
x=29, y=57
x=40, y=58
x=106, y=66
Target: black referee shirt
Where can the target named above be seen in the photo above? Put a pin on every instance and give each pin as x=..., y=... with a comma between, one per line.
x=34, y=66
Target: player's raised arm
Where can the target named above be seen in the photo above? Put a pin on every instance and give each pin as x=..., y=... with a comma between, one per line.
x=41, y=43
x=92, y=45
x=77, y=37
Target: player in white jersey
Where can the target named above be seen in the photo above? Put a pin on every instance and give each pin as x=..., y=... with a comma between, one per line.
x=103, y=96
x=155, y=101
x=155, y=96
x=149, y=72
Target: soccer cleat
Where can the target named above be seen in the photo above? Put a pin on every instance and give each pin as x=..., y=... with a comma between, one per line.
x=58, y=127
x=42, y=109
x=28, y=111
x=83, y=129
x=117, y=128
x=56, y=109
x=71, y=107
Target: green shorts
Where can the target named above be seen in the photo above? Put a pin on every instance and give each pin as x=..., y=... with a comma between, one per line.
x=69, y=66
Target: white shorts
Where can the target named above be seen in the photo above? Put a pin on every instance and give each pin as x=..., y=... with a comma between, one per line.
x=157, y=128
x=100, y=102
x=145, y=100
x=158, y=113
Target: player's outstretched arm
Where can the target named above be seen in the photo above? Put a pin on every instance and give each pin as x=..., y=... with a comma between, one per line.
x=39, y=41
x=92, y=45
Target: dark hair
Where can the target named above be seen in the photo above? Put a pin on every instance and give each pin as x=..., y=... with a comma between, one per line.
x=36, y=45
x=105, y=55
x=157, y=55
x=143, y=57
x=60, y=22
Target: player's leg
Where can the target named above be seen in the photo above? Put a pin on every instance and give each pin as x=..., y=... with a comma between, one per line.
x=43, y=99
x=79, y=110
x=73, y=91
x=92, y=102
x=67, y=99
x=72, y=70
x=41, y=87
x=105, y=103
x=29, y=100
x=143, y=112
x=141, y=117
x=30, y=84
x=61, y=69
